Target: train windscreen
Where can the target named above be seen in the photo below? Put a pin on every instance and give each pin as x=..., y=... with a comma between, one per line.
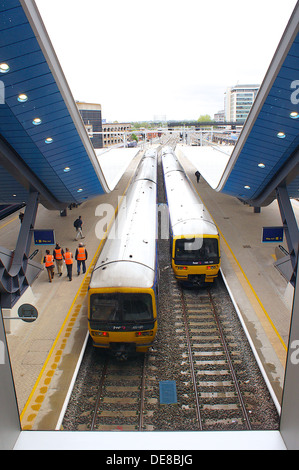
x=121, y=308
x=197, y=250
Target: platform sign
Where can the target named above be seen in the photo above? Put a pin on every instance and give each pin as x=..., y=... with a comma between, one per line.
x=272, y=234
x=44, y=237
x=28, y=313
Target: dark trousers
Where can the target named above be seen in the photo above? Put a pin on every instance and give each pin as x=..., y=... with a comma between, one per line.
x=79, y=266
x=50, y=270
x=69, y=268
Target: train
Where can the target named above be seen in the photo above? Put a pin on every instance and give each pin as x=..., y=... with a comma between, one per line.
x=123, y=289
x=194, y=237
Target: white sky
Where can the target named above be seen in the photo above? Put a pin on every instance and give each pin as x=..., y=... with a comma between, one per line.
x=142, y=59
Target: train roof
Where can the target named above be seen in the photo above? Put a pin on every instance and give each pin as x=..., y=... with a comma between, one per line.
x=147, y=168
x=129, y=274
x=170, y=162
x=128, y=257
x=188, y=215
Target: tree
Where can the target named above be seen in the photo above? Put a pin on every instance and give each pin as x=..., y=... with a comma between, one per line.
x=204, y=118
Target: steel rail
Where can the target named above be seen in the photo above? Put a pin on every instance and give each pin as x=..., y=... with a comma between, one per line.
x=193, y=376
x=99, y=394
x=142, y=394
x=230, y=364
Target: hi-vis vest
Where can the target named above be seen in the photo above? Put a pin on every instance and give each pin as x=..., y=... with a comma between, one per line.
x=68, y=257
x=58, y=254
x=49, y=261
x=81, y=254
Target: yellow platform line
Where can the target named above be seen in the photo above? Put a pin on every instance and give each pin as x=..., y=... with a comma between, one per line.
x=7, y=223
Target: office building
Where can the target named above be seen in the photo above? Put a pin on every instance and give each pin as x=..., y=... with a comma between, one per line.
x=238, y=102
x=91, y=114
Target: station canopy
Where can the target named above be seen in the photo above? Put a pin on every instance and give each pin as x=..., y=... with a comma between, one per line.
x=44, y=146
x=266, y=154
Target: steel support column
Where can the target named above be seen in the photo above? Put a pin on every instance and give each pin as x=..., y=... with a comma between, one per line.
x=290, y=228
x=17, y=271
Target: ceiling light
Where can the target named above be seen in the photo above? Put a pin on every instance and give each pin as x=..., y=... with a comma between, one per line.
x=67, y=168
x=49, y=140
x=22, y=98
x=281, y=135
x=80, y=190
x=247, y=187
x=37, y=121
x=261, y=165
x=294, y=115
x=4, y=68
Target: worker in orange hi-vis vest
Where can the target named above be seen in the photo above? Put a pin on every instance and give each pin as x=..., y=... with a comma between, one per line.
x=68, y=258
x=58, y=256
x=81, y=256
x=49, y=263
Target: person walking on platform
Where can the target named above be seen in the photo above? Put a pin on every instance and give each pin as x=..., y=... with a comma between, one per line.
x=68, y=257
x=78, y=226
x=81, y=256
x=49, y=263
x=197, y=174
x=58, y=256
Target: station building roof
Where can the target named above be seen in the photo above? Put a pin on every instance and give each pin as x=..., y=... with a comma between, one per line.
x=266, y=154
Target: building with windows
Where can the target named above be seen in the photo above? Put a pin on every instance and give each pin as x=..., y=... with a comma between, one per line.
x=238, y=102
x=91, y=114
x=220, y=116
x=115, y=133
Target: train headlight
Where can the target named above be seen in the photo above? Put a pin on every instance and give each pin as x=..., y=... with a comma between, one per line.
x=104, y=334
x=144, y=333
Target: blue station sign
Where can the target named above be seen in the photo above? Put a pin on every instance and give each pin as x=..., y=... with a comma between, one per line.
x=44, y=237
x=272, y=234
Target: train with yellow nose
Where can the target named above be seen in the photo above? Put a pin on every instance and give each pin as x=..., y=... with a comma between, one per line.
x=123, y=290
x=194, y=237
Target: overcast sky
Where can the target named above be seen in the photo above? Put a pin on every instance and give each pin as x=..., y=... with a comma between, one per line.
x=143, y=59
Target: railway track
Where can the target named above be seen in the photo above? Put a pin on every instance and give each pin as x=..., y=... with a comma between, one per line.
x=201, y=346
x=119, y=403
x=109, y=394
x=210, y=349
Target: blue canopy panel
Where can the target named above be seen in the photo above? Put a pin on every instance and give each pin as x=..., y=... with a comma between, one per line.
x=56, y=148
x=270, y=137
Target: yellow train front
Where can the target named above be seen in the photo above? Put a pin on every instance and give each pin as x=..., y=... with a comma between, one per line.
x=123, y=290
x=194, y=237
x=196, y=260
x=123, y=320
